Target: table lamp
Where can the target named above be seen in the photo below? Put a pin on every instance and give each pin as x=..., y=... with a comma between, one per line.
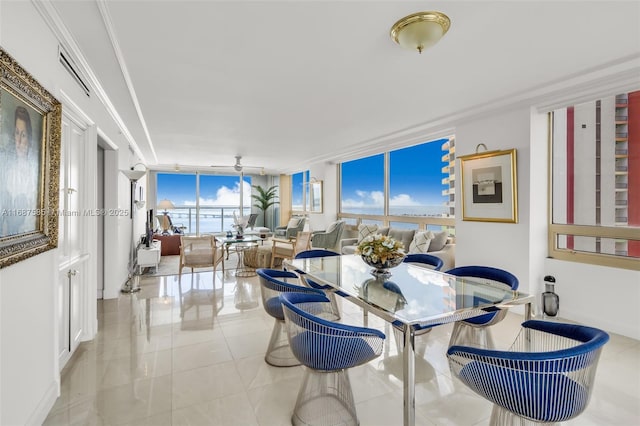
x=166, y=205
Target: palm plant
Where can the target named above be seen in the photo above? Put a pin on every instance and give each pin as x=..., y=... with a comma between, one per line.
x=264, y=199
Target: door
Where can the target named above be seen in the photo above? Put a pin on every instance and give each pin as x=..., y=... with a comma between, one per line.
x=73, y=256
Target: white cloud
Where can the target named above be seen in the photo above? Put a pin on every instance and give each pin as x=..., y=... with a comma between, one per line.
x=376, y=199
x=403, y=200
x=226, y=197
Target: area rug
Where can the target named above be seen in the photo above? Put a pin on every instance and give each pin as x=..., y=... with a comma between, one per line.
x=170, y=265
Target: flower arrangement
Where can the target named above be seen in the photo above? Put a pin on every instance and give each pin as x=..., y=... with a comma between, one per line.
x=381, y=251
x=240, y=223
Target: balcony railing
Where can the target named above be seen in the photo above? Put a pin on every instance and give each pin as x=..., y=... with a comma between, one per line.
x=211, y=219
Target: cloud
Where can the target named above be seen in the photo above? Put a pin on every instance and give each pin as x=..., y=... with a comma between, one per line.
x=374, y=199
x=226, y=197
x=403, y=200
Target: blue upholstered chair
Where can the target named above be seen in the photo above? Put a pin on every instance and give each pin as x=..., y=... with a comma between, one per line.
x=329, y=291
x=546, y=377
x=426, y=260
x=328, y=350
x=273, y=282
x=475, y=331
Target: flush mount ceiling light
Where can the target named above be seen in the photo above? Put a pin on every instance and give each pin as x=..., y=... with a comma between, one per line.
x=421, y=30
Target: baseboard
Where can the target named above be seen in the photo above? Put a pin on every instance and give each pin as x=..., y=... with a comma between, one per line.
x=44, y=407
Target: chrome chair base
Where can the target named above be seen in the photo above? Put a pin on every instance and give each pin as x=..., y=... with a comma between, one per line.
x=279, y=352
x=502, y=417
x=325, y=398
x=464, y=334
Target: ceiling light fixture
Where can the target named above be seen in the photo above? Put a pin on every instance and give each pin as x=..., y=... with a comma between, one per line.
x=421, y=30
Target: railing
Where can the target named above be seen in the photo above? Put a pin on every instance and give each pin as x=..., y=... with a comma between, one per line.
x=211, y=219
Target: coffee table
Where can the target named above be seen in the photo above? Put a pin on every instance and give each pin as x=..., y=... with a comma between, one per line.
x=240, y=246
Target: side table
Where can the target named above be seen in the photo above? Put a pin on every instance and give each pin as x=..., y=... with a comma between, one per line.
x=149, y=256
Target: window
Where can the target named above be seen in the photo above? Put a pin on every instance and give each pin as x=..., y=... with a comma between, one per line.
x=298, y=193
x=416, y=185
x=596, y=182
x=204, y=203
x=362, y=186
x=420, y=186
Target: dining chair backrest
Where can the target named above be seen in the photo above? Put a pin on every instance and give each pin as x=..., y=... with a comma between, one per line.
x=425, y=259
x=307, y=254
x=546, y=376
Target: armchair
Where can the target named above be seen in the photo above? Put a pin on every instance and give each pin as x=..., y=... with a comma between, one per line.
x=329, y=239
x=200, y=252
x=295, y=225
x=287, y=249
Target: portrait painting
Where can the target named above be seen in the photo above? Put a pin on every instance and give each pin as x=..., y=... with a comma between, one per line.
x=489, y=186
x=30, y=133
x=19, y=165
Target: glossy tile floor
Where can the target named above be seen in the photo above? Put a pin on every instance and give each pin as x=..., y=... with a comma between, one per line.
x=188, y=352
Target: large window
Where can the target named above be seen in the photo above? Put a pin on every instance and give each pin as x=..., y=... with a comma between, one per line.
x=204, y=203
x=298, y=193
x=419, y=193
x=596, y=181
x=362, y=186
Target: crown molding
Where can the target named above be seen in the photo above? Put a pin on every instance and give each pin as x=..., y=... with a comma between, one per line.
x=108, y=23
x=54, y=22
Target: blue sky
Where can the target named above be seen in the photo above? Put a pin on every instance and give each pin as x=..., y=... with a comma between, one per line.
x=416, y=178
x=215, y=190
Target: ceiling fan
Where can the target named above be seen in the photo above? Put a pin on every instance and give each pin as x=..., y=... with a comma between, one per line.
x=239, y=167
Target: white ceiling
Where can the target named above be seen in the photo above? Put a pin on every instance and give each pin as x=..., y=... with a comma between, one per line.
x=284, y=83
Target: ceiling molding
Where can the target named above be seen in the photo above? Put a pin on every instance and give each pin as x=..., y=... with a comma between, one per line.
x=52, y=19
x=108, y=23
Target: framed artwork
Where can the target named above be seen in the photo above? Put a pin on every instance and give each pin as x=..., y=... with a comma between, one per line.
x=489, y=186
x=30, y=132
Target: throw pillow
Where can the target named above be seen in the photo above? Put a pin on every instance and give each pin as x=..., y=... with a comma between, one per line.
x=293, y=223
x=421, y=242
x=383, y=231
x=332, y=227
x=366, y=230
x=405, y=236
x=439, y=241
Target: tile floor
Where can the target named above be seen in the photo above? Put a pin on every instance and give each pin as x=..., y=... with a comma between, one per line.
x=191, y=353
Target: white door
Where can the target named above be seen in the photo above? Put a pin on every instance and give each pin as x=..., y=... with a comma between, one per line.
x=72, y=279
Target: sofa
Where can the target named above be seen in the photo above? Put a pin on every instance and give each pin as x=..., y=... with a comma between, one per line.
x=438, y=244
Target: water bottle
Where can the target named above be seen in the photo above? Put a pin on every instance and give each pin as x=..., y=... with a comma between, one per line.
x=550, y=300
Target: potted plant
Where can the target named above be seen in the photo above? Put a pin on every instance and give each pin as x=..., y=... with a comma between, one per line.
x=265, y=198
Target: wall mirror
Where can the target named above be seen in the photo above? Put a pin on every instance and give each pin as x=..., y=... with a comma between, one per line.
x=315, y=197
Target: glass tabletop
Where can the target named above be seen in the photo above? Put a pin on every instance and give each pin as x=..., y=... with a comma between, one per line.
x=412, y=294
x=245, y=239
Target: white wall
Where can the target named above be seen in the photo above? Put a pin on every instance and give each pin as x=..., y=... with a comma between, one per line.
x=501, y=245
x=29, y=377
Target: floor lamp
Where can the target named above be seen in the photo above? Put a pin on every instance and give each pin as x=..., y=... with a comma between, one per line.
x=131, y=285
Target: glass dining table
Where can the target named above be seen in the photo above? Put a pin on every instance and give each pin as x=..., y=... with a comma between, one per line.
x=411, y=299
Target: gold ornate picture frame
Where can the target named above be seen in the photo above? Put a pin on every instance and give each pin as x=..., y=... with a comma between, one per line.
x=30, y=135
x=489, y=186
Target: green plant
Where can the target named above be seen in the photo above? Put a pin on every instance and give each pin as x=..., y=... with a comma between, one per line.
x=264, y=199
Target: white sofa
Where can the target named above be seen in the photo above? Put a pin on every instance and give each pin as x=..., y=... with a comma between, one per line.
x=447, y=252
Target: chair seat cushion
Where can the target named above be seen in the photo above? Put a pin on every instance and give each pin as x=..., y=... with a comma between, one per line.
x=274, y=308
x=543, y=397
x=329, y=353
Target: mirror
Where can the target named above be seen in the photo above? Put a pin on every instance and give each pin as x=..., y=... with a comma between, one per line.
x=315, y=197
